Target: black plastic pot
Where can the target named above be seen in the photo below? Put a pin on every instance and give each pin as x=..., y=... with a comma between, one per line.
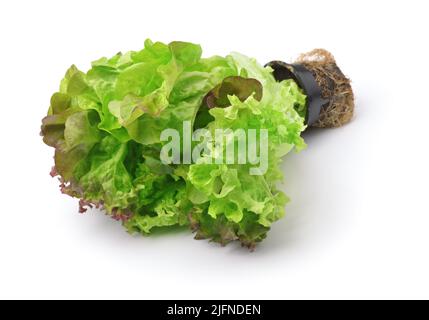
x=306, y=81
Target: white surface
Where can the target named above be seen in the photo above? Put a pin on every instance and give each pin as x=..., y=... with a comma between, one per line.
x=358, y=224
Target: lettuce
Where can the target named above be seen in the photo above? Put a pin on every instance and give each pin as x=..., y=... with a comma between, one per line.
x=106, y=125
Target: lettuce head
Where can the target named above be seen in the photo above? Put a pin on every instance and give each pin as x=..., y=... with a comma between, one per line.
x=106, y=128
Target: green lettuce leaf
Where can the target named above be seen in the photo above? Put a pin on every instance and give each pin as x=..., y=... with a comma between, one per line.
x=233, y=203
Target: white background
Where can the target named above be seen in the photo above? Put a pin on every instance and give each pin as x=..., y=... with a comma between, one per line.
x=358, y=223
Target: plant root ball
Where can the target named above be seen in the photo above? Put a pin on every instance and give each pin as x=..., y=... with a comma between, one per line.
x=335, y=87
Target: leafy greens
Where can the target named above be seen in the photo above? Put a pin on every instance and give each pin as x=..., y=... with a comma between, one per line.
x=105, y=126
